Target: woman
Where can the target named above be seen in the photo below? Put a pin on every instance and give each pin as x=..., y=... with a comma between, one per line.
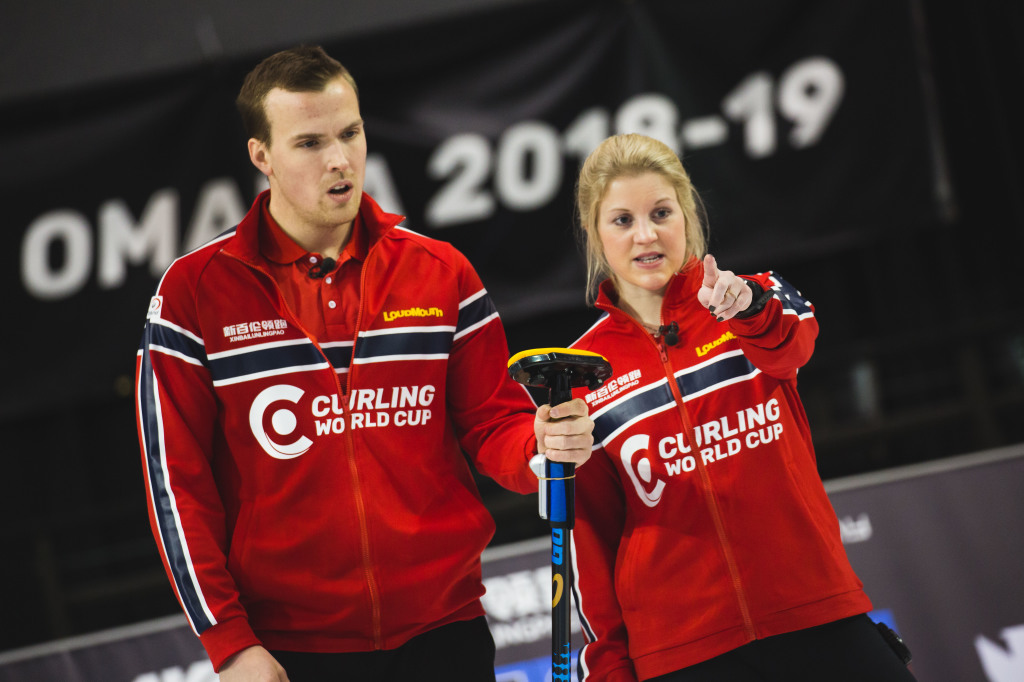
x=706, y=546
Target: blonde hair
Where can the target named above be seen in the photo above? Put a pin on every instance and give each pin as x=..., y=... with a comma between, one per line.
x=630, y=155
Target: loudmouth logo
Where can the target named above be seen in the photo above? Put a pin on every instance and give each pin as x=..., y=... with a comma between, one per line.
x=708, y=347
x=390, y=315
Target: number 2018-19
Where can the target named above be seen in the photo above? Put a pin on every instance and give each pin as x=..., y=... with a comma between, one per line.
x=527, y=161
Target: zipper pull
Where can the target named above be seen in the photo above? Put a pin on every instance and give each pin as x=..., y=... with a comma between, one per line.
x=662, y=349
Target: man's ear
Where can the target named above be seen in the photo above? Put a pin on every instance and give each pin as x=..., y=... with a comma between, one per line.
x=260, y=156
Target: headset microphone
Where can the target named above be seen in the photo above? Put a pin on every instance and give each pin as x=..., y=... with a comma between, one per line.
x=671, y=333
x=322, y=268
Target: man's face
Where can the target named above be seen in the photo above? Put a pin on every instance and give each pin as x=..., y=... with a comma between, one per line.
x=316, y=159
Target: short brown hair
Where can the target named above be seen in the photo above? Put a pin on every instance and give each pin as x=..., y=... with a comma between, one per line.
x=629, y=156
x=306, y=68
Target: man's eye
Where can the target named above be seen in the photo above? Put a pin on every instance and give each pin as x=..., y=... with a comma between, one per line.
x=308, y=144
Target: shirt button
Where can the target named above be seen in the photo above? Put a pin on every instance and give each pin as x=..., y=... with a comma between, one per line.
x=329, y=280
x=312, y=259
x=331, y=304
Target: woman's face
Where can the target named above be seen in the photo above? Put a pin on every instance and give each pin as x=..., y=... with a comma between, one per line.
x=643, y=234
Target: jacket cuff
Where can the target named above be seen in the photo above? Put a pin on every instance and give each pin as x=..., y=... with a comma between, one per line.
x=223, y=640
x=531, y=448
x=758, y=302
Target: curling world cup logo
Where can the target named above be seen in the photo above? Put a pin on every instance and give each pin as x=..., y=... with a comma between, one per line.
x=283, y=422
x=648, y=488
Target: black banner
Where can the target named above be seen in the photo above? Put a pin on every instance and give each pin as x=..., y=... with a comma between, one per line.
x=802, y=123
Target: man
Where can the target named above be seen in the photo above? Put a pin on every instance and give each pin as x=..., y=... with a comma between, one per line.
x=306, y=386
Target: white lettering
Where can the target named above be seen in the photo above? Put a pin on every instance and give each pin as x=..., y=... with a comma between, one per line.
x=42, y=278
x=712, y=432
x=122, y=240
x=59, y=248
x=379, y=183
x=528, y=170
x=686, y=464
x=364, y=398
x=521, y=631
x=726, y=431
x=200, y=671
x=408, y=397
x=853, y=530
x=666, y=449
x=1003, y=664
x=721, y=439
x=755, y=416
x=336, y=425
x=218, y=207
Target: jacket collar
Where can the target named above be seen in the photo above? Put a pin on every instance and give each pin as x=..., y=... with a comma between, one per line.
x=681, y=292
x=246, y=242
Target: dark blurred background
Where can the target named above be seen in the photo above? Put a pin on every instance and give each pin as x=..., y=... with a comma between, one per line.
x=921, y=352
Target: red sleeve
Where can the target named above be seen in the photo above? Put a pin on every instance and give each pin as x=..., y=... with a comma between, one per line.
x=176, y=414
x=780, y=339
x=600, y=515
x=493, y=415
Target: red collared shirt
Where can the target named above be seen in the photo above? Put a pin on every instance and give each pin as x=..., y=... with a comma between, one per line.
x=326, y=307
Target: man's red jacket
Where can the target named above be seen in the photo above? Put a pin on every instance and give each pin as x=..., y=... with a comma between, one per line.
x=314, y=496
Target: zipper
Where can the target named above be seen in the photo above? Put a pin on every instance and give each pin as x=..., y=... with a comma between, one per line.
x=357, y=491
x=708, y=492
x=364, y=533
x=364, y=544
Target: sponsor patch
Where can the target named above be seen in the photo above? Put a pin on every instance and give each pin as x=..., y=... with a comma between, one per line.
x=613, y=387
x=260, y=329
x=156, y=304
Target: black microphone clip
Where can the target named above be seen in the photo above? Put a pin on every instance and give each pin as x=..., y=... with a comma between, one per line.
x=671, y=333
x=322, y=268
